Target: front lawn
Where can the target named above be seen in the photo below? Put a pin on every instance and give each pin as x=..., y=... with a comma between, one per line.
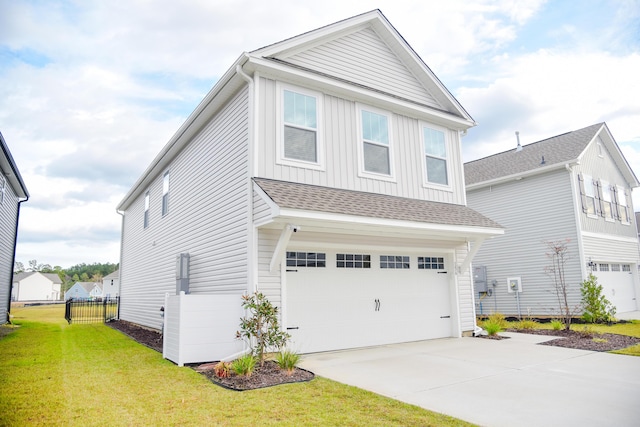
x=52, y=373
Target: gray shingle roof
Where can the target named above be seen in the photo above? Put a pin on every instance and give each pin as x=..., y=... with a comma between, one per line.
x=557, y=149
x=347, y=202
x=51, y=276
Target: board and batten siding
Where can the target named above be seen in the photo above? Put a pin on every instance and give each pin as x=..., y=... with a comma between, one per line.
x=269, y=283
x=8, y=213
x=340, y=142
x=465, y=293
x=533, y=210
x=364, y=58
x=603, y=167
x=208, y=218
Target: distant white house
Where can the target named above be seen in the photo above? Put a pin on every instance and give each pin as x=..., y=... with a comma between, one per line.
x=13, y=193
x=36, y=286
x=574, y=187
x=84, y=290
x=111, y=285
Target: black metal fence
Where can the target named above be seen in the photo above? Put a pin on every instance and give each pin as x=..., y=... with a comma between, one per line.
x=91, y=311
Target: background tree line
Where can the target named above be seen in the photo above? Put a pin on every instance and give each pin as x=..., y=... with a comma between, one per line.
x=69, y=276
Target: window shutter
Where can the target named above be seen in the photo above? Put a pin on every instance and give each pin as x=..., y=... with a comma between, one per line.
x=600, y=203
x=615, y=209
x=583, y=196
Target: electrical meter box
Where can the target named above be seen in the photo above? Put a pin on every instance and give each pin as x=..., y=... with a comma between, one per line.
x=480, y=278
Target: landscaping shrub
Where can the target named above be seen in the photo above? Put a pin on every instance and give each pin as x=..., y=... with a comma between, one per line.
x=287, y=361
x=222, y=370
x=556, y=325
x=499, y=319
x=527, y=324
x=597, y=309
x=244, y=365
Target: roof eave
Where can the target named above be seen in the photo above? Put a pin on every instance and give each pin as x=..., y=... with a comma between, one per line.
x=11, y=171
x=521, y=175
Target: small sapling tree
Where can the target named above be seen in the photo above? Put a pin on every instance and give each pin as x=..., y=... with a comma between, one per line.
x=261, y=328
x=558, y=254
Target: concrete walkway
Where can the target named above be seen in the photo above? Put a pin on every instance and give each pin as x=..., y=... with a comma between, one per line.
x=511, y=382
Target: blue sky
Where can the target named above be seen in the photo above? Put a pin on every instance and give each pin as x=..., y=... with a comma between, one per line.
x=90, y=91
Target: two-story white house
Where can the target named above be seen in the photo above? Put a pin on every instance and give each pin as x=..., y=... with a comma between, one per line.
x=324, y=171
x=574, y=188
x=13, y=193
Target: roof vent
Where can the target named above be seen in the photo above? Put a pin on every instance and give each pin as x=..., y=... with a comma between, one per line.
x=519, y=147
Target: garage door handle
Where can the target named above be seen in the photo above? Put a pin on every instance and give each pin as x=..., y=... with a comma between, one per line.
x=442, y=272
x=377, y=303
x=445, y=317
x=292, y=327
x=294, y=271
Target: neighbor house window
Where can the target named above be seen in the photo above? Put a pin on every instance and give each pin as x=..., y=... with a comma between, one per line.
x=395, y=261
x=430, y=263
x=146, y=209
x=165, y=194
x=622, y=205
x=301, y=138
x=306, y=259
x=605, y=200
x=353, y=261
x=435, y=152
x=587, y=194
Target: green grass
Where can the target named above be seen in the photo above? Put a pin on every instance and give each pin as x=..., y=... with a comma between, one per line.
x=56, y=374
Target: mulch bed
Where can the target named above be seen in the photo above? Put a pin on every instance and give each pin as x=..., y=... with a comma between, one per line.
x=581, y=341
x=263, y=376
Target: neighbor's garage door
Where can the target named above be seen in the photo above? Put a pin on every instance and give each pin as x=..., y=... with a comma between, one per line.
x=617, y=285
x=338, y=300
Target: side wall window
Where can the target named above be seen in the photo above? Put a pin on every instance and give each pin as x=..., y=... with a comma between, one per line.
x=376, y=142
x=587, y=194
x=606, y=200
x=165, y=193
x=146, y=209
x=435, y=152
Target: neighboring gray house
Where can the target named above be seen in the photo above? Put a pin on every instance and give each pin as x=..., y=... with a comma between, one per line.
x=324, y=171
x=13, y=193
x=36, y=286
x=84, y=291
x=575, y=186
x=111, y=285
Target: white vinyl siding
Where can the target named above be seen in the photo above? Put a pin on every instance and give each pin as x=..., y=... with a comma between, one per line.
x=340, y=129
x=533, y=211
x=363, y=58
x=209, y=220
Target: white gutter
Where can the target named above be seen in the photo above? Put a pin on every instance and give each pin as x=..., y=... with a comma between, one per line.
x=521, y=175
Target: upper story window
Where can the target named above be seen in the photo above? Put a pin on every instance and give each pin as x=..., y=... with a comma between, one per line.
x=436, y=155
x=622, y=205
x=588, y=194
x=3, y=184
x=301, y=142
x=146, y=209
x=605, y=200
x=165, y=193
x=376, y=146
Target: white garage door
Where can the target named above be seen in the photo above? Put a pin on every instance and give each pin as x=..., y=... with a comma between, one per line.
x=337, y=300
x=617, y=285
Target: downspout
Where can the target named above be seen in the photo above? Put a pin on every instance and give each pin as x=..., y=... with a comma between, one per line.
x=118, y=295
x=13, y=258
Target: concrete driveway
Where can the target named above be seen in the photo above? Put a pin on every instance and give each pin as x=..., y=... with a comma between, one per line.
x=511, y=382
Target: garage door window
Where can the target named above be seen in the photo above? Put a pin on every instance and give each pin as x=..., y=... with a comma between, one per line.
x=615, y=267
x=430, y=263
x=306, y=259
x=626, y=267
x=394, y=261
x=604, y=267
x=353, y=261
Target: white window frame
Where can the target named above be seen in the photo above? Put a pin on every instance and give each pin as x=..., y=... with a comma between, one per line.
x=607, y=197
x=447, y=143
x=590, y=192
x=280, y=157
x=166, y=180
x=145, y=215
x=362, y=172
x=622, y=203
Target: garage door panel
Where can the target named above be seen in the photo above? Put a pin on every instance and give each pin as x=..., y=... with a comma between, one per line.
x=618, y=288
x=334, y=308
